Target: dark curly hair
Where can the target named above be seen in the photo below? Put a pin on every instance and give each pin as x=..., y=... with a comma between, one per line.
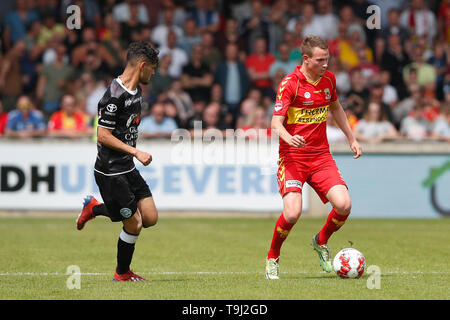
x=141, y=50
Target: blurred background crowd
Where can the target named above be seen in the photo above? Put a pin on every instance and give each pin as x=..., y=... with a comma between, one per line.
x=221, y=63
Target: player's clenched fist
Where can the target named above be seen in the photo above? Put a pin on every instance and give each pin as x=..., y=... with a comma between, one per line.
x=144, y=157
x=297, y=141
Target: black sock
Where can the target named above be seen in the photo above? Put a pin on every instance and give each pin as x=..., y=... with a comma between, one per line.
x=100, y=210
x=125, y=250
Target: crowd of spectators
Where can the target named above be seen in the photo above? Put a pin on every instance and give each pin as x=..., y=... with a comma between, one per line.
x=221, y=63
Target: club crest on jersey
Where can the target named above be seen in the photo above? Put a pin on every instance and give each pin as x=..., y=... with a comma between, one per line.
x=327, y=92
x=133, y=119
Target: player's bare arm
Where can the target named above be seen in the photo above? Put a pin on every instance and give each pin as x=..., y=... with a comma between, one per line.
x=106, y=138
x=341, y=119
x=293, y=140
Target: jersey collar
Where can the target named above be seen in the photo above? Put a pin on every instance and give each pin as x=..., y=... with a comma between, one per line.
x=125, y=88
x=301, y=76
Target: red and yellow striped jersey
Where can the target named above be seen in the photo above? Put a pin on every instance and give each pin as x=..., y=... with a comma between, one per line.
x=304, y=105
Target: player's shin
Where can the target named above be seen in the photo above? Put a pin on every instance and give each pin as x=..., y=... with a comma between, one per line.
x=125, y=250
x=334, y=222
x=282, y=229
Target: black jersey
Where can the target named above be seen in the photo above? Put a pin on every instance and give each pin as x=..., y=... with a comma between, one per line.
x=120, y=111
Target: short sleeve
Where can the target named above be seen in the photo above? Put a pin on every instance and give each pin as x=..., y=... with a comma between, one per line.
x=285, y=94
x=108, y=111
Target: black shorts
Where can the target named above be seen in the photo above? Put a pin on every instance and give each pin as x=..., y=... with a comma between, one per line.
x=122, y=192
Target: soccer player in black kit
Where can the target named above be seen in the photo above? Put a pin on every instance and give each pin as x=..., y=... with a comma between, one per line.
x=125, y=193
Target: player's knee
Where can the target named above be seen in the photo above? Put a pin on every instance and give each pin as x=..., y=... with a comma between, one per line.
x=343, y=207
x=150, y=220
x=134, y=224
x=292, y=213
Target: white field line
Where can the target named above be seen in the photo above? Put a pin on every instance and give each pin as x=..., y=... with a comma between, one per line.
x=59, y=274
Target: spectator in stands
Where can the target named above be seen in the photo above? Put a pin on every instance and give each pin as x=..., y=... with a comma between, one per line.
x=16, y=23
x=89, y=43
x=343, y=81
x=334, y=133
x=199, y=107
x=416, y=126
x=25, y=121
x=171, y=111
x=283, y=61
x=205, y=15
x=247, y=107
x=255, y=26
x=294, y=40
x=358, y=96
x=217, y=97
x=121, y=11
x=258, y=65
x=131, y=28
x=309, y=21
x=92, y=91
x=52, y=82
x=182, y=101
x=405, y=106
x=420, y=20
x=211, y=118
x=69, y=122
x=161, y=80
x=233, y=78
x=395, y=59
x=197, y=78
x=179, y=57
x=441, y=127
x=426, y=73
x=326, y=19
x=444, y=21
x=3, y=119
x=374, y=127
x=369, y=70
x=394, y=27
x=49, y=29
x=10, y=75
x=190, y=38
x=376, y=95
x=439, y=62
x=161, y=32
x=390, y=96
x=157, y=124
x=211, y=54
x=256, y=126
x=179, y=12
x=278, y=17
x=230, y=35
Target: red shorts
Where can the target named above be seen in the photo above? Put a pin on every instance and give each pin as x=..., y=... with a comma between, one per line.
x=319, y=171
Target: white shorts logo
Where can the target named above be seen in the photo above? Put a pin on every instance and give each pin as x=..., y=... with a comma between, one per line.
x=293, y=184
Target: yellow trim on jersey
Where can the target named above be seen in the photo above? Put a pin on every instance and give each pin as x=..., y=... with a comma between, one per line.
x=314, y=83
x=307, y=115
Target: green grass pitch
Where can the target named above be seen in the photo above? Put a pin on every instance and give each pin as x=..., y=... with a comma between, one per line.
x=221, y=258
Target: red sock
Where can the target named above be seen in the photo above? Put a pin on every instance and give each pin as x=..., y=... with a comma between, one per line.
x=334, y=222
x=282, y=228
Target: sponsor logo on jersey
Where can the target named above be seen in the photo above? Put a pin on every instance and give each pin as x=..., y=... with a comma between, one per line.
x=307, y=115
x=130, y=101
x=133, y=119
x=111, y=107
x=307, y=95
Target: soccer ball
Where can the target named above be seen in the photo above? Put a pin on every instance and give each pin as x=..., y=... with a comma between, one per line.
x=349, y=263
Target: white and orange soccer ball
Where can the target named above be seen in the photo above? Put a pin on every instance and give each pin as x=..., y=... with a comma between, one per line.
x=349, y=263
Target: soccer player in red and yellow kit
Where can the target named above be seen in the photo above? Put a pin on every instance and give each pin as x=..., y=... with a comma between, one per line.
x=304, y=98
